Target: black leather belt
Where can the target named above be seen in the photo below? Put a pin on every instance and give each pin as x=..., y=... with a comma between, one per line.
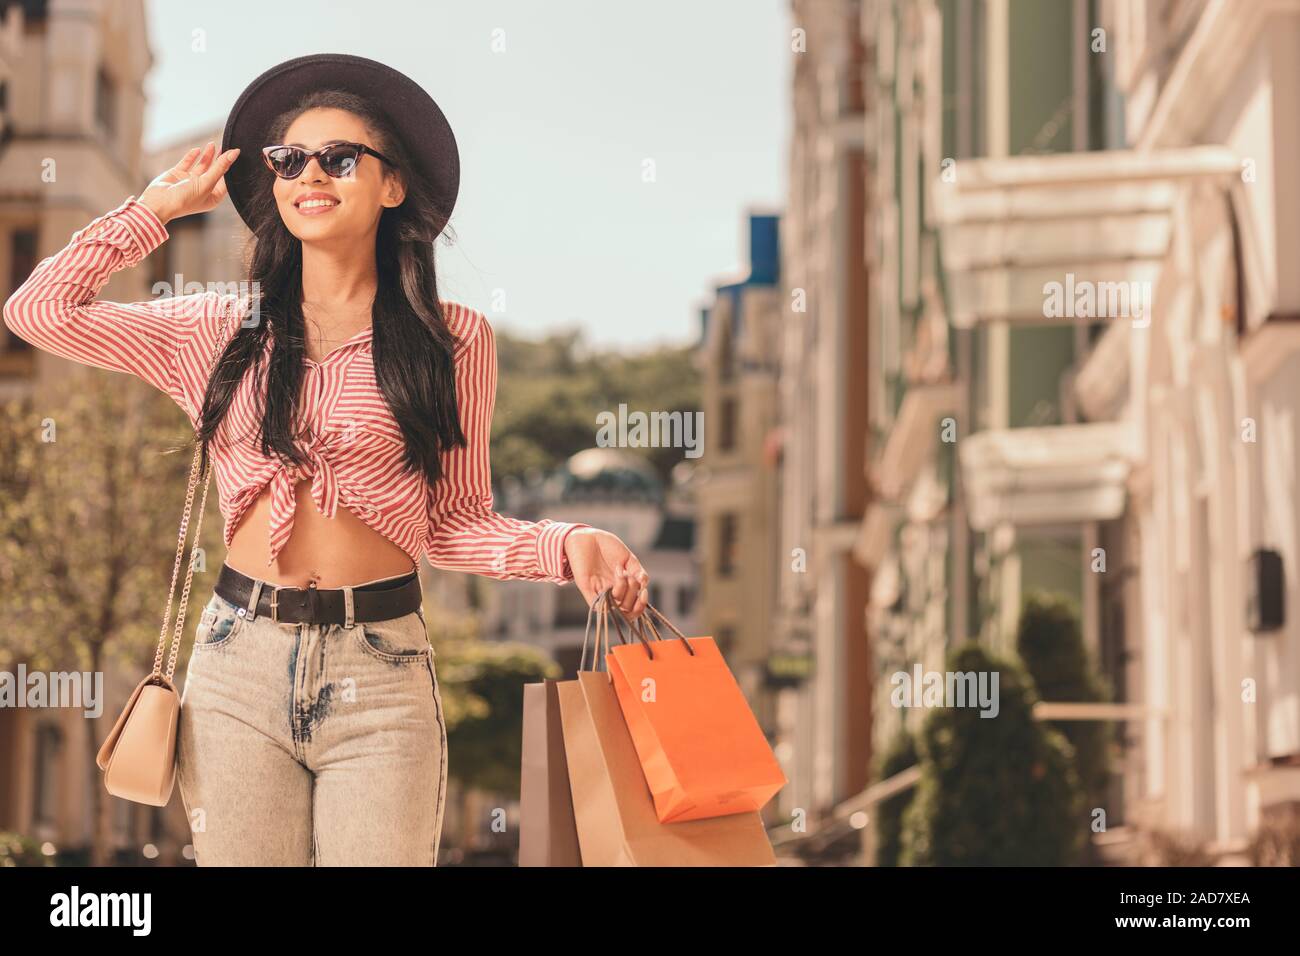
x=381, y=601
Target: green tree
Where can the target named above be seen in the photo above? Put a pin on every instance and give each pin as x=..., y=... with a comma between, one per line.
x=550, y=391
x=486, y=709
x=994, y=791
x=902, y=753
x=18, y=850
x=482, y=694
x=1049, y=639
x=92, y=482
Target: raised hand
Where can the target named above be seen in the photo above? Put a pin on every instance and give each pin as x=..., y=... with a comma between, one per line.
x=195, y=184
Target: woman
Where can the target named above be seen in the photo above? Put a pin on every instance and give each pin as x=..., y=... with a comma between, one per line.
x=348, y=419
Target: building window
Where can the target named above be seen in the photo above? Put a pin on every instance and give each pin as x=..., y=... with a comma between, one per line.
x=22, y=260
x=727, y=427
x=655, y=594
x=685, y=599
x=1105, y=100
x=49, y=747
x=570, y=608
x=727, y=352
x=728, y=541
x=105, y=104
x=964, y=75
x=725, y=638
x=570, y=660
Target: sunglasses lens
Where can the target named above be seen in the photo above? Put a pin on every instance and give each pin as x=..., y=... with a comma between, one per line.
x=286, y=160
x=339, y=160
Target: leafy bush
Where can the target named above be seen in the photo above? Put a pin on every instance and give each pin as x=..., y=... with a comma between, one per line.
x=1049, y=640
x=999, y=791
x=902, y=753
x=18, y=850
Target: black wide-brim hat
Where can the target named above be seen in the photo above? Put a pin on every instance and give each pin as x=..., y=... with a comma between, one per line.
x=419, y=121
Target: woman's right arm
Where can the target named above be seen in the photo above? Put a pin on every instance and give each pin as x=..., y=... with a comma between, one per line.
x=56, y=308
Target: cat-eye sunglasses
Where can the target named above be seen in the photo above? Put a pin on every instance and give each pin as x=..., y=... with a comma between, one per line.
x=336, y=159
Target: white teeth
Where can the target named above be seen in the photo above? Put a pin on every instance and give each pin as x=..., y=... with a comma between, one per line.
x=311, y=203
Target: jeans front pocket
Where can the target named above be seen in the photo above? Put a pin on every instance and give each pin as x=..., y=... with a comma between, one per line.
x=218, y=625
x=399, y=640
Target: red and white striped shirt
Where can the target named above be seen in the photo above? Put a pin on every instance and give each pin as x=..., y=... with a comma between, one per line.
x=355, y=445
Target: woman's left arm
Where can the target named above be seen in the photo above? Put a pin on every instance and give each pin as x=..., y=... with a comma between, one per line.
x=467, y=535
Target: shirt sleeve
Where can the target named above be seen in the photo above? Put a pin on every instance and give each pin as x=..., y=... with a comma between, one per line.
x=56, y=309
x=465, y=533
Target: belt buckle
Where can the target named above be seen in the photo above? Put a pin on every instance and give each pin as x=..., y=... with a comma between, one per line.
x=275, y=604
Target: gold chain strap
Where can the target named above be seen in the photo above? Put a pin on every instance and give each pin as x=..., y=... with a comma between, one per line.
x=179, y=628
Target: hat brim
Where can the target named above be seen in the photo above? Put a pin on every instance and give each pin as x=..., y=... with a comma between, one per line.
x=419, y=121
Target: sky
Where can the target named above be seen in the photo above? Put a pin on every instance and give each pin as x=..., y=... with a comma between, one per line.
x=556, y=106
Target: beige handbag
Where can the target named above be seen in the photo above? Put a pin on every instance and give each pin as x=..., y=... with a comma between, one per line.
x=139, y=756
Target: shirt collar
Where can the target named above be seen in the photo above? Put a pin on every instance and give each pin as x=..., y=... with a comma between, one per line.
x=362, y=338
x=364, y=335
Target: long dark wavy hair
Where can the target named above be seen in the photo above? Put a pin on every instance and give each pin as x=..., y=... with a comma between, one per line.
x=411, y=342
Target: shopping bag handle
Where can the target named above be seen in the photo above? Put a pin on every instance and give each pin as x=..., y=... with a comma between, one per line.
x=586, y=634
x=604, y=601
x=645, y=621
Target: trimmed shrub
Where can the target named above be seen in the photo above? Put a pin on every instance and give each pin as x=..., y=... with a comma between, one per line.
x=994, y=791
x=902, y=753
x=1049, y=640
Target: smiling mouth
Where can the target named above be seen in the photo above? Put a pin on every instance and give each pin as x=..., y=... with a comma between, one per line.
x=314, y=207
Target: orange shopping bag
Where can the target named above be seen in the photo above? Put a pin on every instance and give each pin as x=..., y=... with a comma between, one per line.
x=699, y=744
x=612, y=807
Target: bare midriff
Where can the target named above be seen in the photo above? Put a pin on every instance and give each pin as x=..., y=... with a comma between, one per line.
x=334, y=552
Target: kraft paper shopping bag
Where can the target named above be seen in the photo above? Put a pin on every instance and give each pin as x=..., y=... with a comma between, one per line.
x=548, y=835
x=615, y=815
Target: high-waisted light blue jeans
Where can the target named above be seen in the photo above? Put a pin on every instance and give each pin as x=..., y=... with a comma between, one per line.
x=311, y=745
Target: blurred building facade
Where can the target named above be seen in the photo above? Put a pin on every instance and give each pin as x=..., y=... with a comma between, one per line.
x=1211, y=92
x=983, y=477
x=71, y=117
x=1133, y=451
x=823, y=721
x=737, y=359
x=903, y=441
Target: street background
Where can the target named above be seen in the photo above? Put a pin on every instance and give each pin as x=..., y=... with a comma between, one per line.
x=983, y=311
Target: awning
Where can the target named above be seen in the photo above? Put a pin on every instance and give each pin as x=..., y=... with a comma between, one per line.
x=1057, y=474
x=1093, y=227
x=1269, y=345
x=913, y=436
x=886, y=585
x=1102, y=386
x=875, y=534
